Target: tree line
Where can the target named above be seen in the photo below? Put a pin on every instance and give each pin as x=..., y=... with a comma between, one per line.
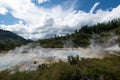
x=81, y=37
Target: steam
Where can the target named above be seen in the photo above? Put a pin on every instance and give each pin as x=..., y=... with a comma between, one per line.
x=29, y=54
x=25, y=56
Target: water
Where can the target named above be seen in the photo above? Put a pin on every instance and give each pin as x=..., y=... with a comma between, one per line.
x=26, y=55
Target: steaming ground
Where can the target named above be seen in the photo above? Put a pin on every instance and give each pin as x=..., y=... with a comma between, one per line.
x=30, y=56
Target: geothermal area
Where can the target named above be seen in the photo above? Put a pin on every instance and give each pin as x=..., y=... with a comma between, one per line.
x=28, y=57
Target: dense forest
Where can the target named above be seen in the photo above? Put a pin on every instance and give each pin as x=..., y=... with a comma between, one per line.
x=82, y=37
x=107, y=68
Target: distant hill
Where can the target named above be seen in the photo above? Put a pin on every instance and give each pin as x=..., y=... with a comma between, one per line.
x=9, y=40
x=7, y=35
x=82, y=37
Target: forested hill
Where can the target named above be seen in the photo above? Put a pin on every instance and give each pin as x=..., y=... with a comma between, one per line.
x=82, y=37
x=9, y=40
x=7, y=35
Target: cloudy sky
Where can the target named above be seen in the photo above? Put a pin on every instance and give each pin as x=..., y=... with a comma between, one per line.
x=37, y=19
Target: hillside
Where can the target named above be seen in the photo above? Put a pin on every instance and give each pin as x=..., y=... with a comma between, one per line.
x=82, y=37
x=7, y=35
x=9, y=40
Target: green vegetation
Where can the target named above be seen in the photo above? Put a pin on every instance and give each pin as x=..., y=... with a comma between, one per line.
x=107, y=68
x=9, y=40
x=81, y=38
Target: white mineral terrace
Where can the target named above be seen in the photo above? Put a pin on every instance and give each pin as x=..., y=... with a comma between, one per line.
x=28, y=58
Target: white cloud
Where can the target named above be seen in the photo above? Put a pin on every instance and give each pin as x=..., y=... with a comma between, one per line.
x=3, y=10
x=42, y=22
x=42, y=1
x=93, y=8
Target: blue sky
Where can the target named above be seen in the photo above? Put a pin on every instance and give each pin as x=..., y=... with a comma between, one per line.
x=84, y=5
x=25, y=17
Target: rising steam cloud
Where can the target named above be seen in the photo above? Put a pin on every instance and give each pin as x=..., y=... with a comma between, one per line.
x=25, y=56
